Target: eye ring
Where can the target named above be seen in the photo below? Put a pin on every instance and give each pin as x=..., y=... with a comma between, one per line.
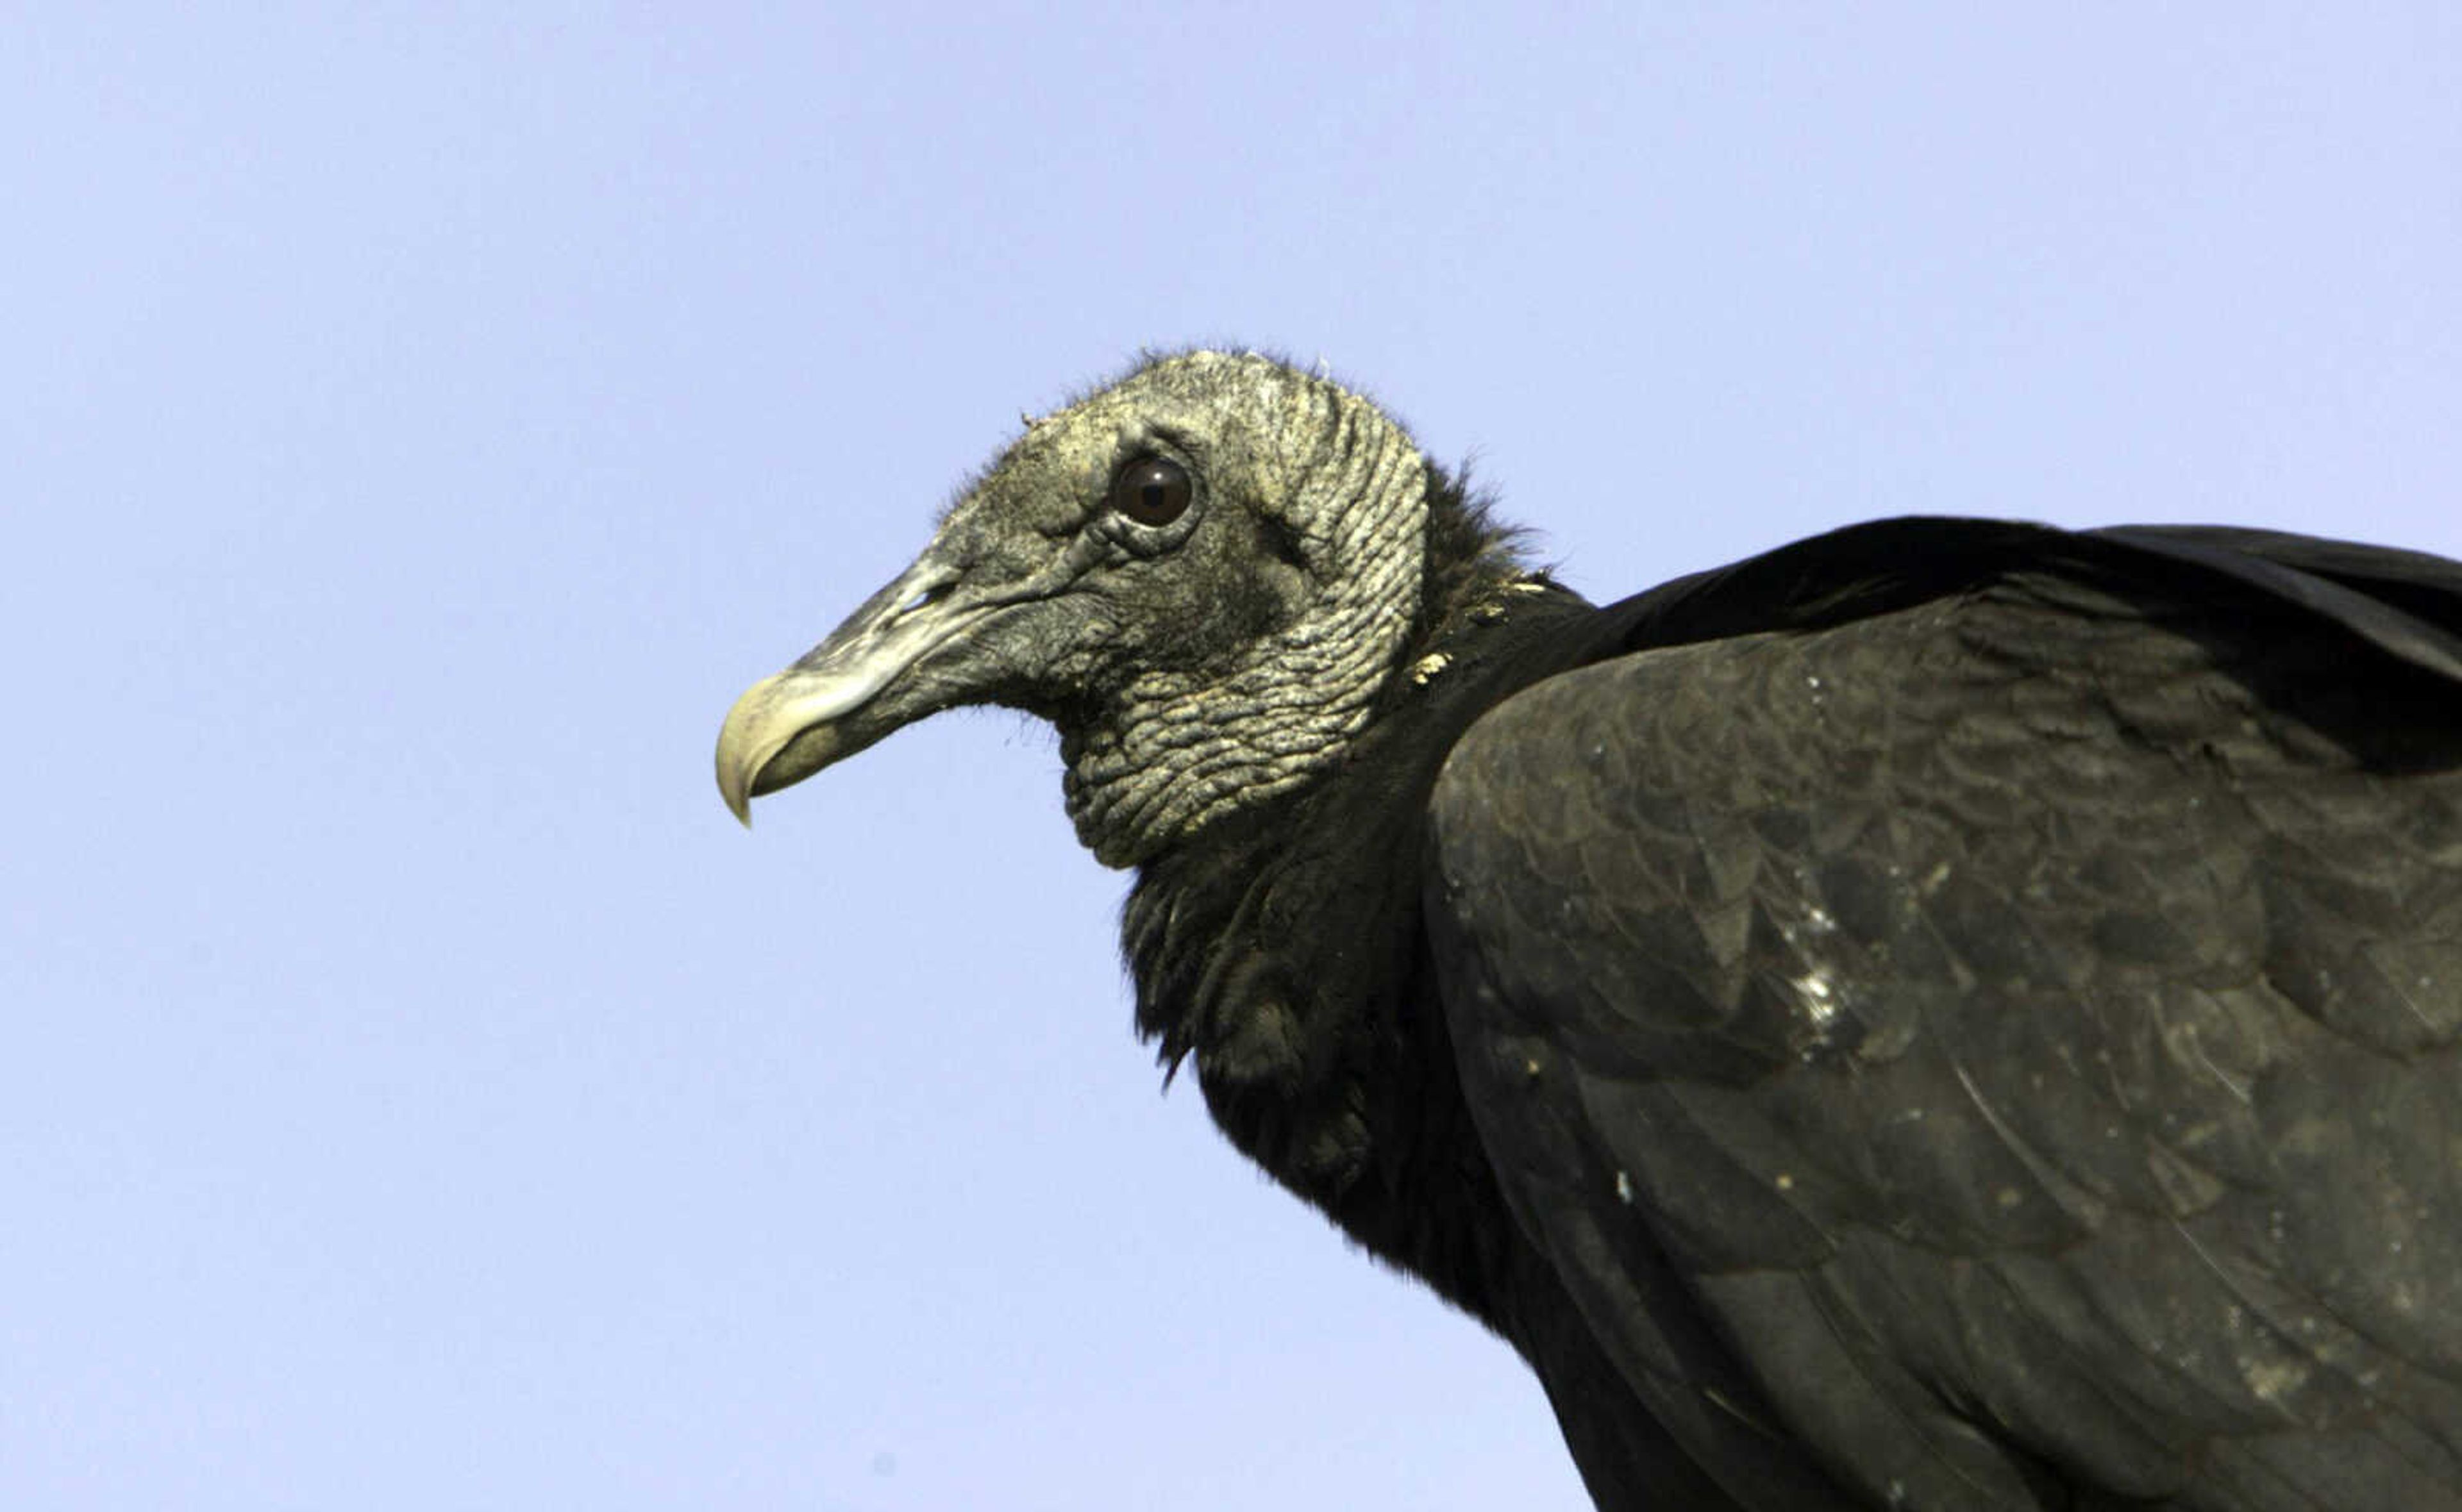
x=1150, y=491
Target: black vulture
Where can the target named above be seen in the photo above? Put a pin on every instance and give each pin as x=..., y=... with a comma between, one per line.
x=1948, y=1013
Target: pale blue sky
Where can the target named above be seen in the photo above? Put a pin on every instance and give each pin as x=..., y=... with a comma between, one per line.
x=421, y=422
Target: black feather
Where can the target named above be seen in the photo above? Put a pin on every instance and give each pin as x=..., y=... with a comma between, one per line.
x=1933, y=1015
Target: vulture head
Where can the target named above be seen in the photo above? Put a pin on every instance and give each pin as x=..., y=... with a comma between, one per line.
x=1203, y=575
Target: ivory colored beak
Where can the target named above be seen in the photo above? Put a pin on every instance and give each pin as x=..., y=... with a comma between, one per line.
x=789, y=710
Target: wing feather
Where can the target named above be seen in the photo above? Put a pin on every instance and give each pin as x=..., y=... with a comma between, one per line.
x=2029, y=1021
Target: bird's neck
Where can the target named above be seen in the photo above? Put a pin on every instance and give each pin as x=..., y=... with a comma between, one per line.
x=1282, y=951
x=1176, y=752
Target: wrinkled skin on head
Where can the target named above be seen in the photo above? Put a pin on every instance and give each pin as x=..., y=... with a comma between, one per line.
x=1199, y=647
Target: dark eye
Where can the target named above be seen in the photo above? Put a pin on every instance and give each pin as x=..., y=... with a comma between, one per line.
x=1150, y=491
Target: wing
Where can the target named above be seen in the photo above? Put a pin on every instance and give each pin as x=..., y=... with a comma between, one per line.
x=2028, y=1023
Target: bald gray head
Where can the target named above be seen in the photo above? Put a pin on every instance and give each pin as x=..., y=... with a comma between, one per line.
x=1203, y=574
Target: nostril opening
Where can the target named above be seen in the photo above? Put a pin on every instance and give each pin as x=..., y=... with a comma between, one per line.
x=929, y=596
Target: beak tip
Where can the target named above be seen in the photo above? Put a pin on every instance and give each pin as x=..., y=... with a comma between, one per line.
x=741, y=748
x=735, y=787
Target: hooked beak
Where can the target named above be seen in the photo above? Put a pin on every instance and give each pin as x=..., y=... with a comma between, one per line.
x=852, y=689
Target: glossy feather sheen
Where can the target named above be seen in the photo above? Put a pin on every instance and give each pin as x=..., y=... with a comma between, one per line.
x=2027, y=1020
